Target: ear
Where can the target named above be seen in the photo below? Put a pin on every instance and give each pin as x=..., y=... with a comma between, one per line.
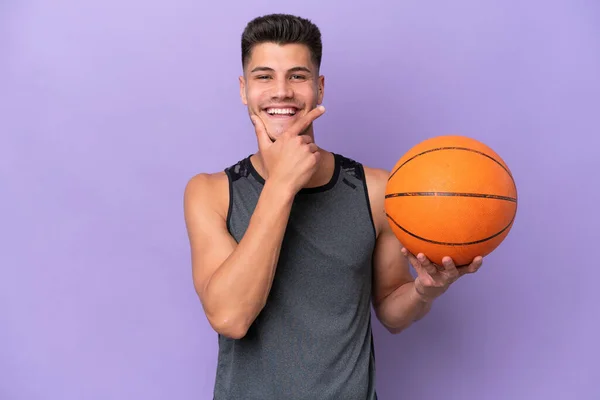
x=243, y=90
x=321, y=89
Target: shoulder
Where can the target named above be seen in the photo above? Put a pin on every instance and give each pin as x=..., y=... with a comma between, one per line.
x=204, y=181
x=207, y=192
x=376, y=181
x=372, y=176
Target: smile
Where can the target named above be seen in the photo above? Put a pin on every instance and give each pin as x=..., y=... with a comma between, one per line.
x=281, y=111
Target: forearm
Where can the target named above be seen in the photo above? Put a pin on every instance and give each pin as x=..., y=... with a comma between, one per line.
x=402, y=307
x=238, y=290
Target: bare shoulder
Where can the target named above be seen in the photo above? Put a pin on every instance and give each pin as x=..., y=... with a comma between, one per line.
x=206, y=192
x=376, y=180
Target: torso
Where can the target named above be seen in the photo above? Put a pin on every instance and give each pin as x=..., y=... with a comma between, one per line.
x=313, y=338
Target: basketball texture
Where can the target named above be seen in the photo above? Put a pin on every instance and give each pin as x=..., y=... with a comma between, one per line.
x=451, y=196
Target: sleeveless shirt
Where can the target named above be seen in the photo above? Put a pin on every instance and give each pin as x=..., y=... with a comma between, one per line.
x=313, y=338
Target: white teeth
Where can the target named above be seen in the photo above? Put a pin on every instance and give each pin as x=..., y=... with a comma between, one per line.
x=281, y=111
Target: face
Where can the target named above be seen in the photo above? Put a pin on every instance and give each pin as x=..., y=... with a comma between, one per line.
x=280, y=85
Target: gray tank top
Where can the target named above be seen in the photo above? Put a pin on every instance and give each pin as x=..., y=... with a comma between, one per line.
x=312, y=340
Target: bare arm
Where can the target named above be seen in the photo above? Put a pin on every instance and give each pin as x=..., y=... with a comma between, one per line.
x=396, y=302
x=233, y=280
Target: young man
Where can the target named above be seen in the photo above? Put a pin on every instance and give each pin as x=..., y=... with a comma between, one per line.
x=291, y=245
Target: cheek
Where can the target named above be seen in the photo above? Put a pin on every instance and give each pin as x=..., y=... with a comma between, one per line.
x=311, y=95
x=256, y=96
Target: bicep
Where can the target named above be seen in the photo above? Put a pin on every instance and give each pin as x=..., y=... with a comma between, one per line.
x=390, y=267
x=210, y=241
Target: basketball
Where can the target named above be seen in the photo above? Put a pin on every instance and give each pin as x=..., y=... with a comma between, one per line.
x=451, y=196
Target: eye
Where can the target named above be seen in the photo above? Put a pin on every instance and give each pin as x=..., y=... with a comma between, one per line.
x=298, y=77
x=262, y=77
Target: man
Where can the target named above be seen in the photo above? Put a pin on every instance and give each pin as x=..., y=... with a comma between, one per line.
x=290, y=246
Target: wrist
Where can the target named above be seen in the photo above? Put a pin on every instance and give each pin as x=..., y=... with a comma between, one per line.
x=282, y=193
x=419, y=294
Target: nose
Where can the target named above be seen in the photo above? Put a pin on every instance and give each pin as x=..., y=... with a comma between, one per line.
x=282, y=89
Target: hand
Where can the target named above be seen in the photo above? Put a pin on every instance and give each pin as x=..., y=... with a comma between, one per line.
x=433, y=280
x=293, y=158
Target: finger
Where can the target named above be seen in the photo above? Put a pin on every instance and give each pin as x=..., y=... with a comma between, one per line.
x=261, y=132
x=473, y=267
x=413, y=261
x=409, y=255
x=450, y=267
x=305, y=121
x=313, y=148
x=426, y=264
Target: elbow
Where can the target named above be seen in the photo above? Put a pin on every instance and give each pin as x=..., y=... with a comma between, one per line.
x=394, y=330
x=224, y=320
x=228, y=320
x=232, y=332
x=393, y=327
x=229, y=326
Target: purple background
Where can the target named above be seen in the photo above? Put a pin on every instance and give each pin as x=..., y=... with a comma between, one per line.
x=109, y=107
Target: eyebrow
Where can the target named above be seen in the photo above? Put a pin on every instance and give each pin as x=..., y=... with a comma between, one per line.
x=294, y=69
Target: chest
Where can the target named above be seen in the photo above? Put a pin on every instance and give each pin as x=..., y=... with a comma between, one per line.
x=329, y=236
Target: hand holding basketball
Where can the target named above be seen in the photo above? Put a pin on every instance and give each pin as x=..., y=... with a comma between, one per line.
x=292, y=158
x=433, y=280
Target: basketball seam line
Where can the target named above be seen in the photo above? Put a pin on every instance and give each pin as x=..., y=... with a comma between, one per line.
x=451, y=194
x=452, y=243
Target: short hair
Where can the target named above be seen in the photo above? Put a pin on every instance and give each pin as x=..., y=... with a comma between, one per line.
x=282, y=29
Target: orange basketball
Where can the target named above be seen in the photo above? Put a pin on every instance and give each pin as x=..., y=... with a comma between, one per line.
x=451, y=196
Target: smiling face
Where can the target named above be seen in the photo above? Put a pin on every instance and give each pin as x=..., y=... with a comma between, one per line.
x=281, y=84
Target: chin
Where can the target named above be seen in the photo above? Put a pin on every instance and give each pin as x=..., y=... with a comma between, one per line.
x=277, y=128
